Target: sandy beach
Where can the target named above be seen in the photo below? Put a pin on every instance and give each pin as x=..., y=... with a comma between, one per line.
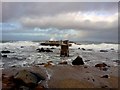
x=67, y=76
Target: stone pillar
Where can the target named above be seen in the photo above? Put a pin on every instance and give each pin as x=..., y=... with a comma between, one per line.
x=64, y=48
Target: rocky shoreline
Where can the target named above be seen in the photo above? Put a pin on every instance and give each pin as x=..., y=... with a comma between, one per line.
x=63, y=76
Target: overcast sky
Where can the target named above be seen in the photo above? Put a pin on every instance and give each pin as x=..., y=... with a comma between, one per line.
x=77, y=21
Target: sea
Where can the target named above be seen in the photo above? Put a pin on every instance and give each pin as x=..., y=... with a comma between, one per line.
x=25, y=54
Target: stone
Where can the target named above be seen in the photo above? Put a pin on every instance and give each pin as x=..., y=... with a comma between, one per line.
x=105, y=76
x=4, y=56
x=103, y=51
x=5, y=51
x=101, y=65
x=83, y=49
x=52, y=48
x=39, y=87
x=28, y=77
x=41, y=50
x=78, y=61
x=48, y=50
x=89, y=49
x=64, y=62
x=7, y=83
x=78, y=48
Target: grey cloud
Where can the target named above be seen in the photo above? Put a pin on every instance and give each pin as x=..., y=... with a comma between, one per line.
x=14, y=10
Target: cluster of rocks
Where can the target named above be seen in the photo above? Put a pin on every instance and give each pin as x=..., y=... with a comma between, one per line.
x=23, y=80
x=44, y=50
x=4, y=52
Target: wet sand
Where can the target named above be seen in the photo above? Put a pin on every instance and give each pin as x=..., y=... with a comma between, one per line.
x=67, y=76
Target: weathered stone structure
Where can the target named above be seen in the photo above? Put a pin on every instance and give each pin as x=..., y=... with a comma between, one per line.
x=64, y=48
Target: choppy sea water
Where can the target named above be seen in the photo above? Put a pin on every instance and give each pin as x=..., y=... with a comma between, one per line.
x=27, y=54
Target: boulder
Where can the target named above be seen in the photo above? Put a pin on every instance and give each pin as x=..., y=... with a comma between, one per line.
x=89, y=49
x=4, y=56
x=28, y=77
x=44, y=50
x=105, y=76
x=40, y=50
x=103, y=51
x=64, y=62
x=48, y=50
x=78, y=61
x=5, y=51
x=83, y=49
x=101, y=65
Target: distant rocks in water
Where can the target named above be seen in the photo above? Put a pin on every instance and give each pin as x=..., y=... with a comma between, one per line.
x=5, y=51
x=89, y=49
x=112, y=49
x=22, y=46
x=78, y=61
x=117, y=61
x=4, y=56
x=44, y=50
x=103, y=51
x=53, y=48
x=63, y=63
x=87, y=60
x=101, y=65
x=83, y=49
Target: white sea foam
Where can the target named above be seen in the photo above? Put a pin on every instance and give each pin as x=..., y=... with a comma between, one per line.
x=29, y=56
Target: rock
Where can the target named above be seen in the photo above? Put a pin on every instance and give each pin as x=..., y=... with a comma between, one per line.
x=112, y=49
x=89, y=49
x=49, y=63
x=40, y=63
x=83, y=49
x=101, y=65
x=52, y=48
x=28, y=77
x=105, y=69
x=7, y=83
x=105, y=76
x=22, y=46
x=5, y=51
x=103, y=51
x=78, y=48
x=48, y=50
x=43, y=50
x=4, y=56
x=39, y=87
x=87, y=60
x=117, y=61
x=78, y=61
x=64, y=62
x=105, y=86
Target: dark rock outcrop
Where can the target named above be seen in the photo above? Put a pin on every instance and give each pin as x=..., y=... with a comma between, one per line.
x=105, y=76
x=44, y=50
x=78, y=61
x=101, y=65
x=5, y=51
x=4, y=56
x=28, y=77
x=103, y=51
x=63, y=63
x=83, y=49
